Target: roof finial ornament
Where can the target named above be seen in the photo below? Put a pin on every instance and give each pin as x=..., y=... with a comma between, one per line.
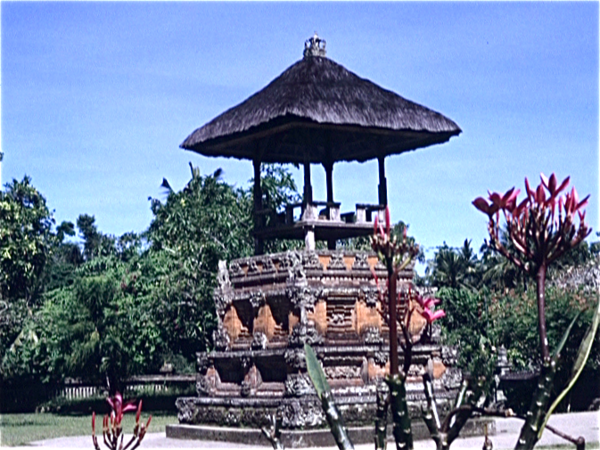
x=314, y=46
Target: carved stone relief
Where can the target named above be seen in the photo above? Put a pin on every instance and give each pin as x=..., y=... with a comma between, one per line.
x=295, y=414
x=293, y=263
x=381, y=357
x=267, y=266
x=372, y=335
x=302, y=297
x=449, y=355
x=185, y=410
x=252, y=268
x=223, y=276
x=298, y=385
x=337, y=262
x=257, y=299
x=220, y=338
x=202, y=362
x=311, y=261
x=452, y=378
x=202, y=386
x=305, y=333
x=236, y=270
x=295, y=359
x=361, y=261
x=342, y=372
x=259, y=341
x=370, y=295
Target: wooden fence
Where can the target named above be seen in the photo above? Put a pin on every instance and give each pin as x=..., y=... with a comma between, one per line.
x=75, y=389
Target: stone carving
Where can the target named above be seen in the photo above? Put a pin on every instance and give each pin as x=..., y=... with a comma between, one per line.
x=257, y=299
x=223, y=300
x=337, y=318
x=267, y=266
x=246, y=362
x=294, y=285
x=435, y=333
x=298, y=385
x=381, y=357
x=252, y=268
x=372, y=335
x=302, y=297
x=452, y=378
x=293, y=263
x=305, y=333
x=220, y=338
x=202, y=362
x=342, y=372
x=185, y=410
x=370, y=295
x=337, y=262
x=297, y=414
x=361, y=262
x=232, y=418
x=223, y=294
x=246, y=389
x=202, y=386
x=285, y=260
x=449, y=355
x=259, y=341
x=311, y=261
x=295, y=359
x=235, y=269
x=223, y=276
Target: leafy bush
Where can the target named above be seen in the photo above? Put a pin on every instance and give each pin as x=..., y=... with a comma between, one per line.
x=478, y=323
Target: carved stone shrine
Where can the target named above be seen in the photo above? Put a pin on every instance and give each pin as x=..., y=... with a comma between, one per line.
x=268, y=307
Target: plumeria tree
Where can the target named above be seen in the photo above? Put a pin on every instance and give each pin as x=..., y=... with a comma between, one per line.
x=546, y=224
x=396, y=254
x=112, y=428
x=398, y=307
x=541, y=228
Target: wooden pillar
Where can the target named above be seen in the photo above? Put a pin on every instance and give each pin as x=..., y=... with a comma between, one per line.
x=258, y=222
x=308, y=198
x=329, y=178
x=383, y=200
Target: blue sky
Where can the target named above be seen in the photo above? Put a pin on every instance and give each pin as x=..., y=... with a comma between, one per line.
x=97, y=97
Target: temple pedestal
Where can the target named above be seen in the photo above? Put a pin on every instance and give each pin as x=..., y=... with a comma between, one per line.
x=269, y=306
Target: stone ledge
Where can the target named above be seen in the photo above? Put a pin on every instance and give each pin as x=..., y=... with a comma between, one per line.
x=307, y=438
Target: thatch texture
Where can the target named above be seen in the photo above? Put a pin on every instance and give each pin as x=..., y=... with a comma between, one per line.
x=319, y=108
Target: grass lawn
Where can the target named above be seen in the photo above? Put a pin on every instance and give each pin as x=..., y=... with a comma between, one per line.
x=19, y=429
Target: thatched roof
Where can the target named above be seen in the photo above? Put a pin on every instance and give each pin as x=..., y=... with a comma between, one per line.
x=319, y=107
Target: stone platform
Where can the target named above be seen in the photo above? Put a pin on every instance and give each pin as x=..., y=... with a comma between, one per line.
x=269, y=306
x=309, y=438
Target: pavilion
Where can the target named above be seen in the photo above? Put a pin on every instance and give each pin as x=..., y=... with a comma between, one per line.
x=318, y=112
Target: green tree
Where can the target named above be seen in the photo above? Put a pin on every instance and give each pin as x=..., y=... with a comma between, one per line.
x=94, y=243
x=26, y=242
x=207, y=221
x=454, y=268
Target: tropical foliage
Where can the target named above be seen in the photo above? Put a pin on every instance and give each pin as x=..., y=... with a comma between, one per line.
x=105, y=307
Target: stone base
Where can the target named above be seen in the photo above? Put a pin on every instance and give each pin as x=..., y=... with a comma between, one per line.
x=308, y=438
